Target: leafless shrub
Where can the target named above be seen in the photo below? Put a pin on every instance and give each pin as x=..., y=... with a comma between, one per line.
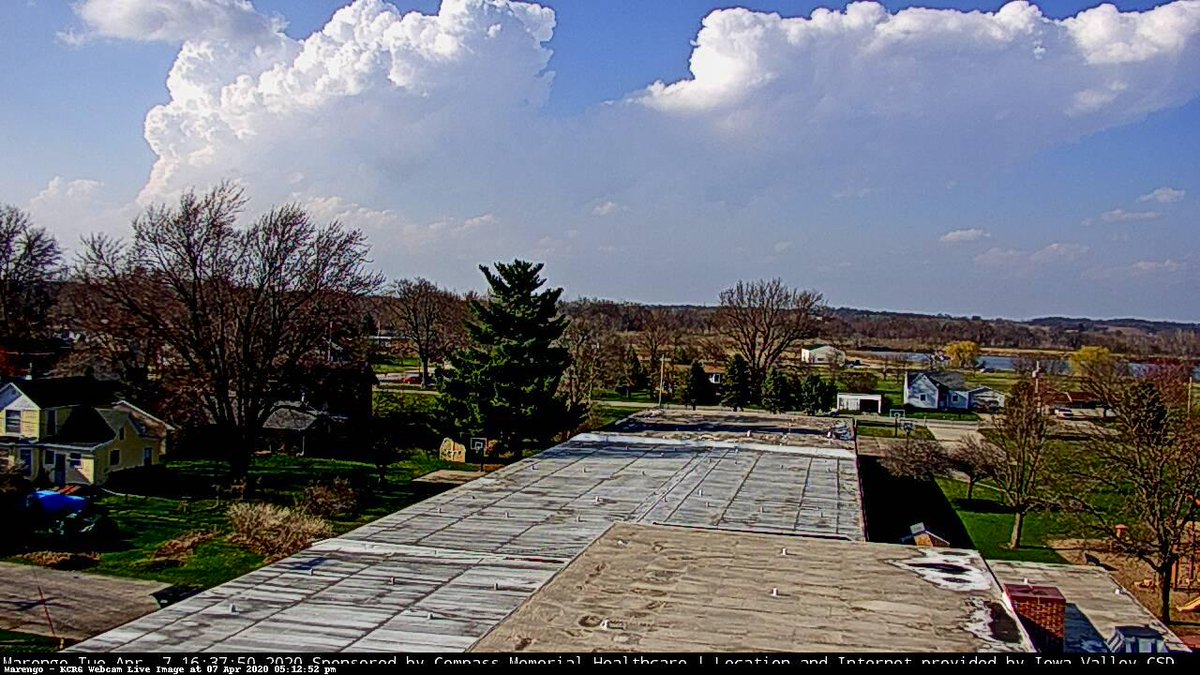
x=60, y=560
x=328, y=500
x=275, y=531
x=181, y=548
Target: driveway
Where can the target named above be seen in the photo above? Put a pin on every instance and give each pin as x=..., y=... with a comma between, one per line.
x=951, y=433
x=80, y=605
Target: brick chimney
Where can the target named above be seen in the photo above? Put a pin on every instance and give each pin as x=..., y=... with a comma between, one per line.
x=1043, y=611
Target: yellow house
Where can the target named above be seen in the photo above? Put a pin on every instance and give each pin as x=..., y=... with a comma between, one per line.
x=76, y=430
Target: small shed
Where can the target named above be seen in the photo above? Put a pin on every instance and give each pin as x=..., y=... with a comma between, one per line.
x=872, y=403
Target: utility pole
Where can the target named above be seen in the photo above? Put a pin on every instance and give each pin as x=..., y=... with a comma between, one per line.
x=662, y=374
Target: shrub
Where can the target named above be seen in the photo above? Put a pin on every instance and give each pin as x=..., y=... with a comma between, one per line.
x=60, y=560
x=275, y=531
x=181, y=548
x=329, y=500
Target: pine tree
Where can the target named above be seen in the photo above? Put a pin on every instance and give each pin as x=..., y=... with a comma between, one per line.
x=697, y=389
x=777, y=394
x=813, y=394
x=738, y=390
x=636, y=378
x=504, y=385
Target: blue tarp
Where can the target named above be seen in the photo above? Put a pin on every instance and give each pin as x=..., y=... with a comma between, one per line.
x=54, y=504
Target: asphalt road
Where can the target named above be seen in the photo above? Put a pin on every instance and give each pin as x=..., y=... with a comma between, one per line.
x=79, y=605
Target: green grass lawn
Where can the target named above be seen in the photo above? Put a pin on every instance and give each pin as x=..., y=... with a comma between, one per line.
x=397, y=365
x=147, y=522
x=637, y=396
x=999, y=381
x=888, y=430
x=606, y=415
x=24, y=643
x=990, y=525
x=944, y=415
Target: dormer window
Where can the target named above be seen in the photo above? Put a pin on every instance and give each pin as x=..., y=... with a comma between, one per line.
x=12, y=421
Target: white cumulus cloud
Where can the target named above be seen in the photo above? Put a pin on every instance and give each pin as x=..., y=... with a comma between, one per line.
x=1163, y=195
x=966, y=235
x=73, y=208
x=407, y=117
x=605, y=208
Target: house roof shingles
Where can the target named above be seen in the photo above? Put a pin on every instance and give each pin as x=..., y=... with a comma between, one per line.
x=57, y=392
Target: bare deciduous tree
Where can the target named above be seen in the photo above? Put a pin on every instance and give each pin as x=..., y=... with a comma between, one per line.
x=599, y=355
x=976, y=461
x=660, y=332
x=233, y=307
x=429, y=320
x=1138, y=481
x=765, y=319
x=920, y=459
x=1019, y=438
x=30, y=264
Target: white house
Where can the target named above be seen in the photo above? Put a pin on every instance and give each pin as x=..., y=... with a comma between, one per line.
x=822, y=354
x=933, y=390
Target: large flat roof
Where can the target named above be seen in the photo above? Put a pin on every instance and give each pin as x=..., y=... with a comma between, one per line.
x=440, y=574
x=1096, y=603
x=663, y=589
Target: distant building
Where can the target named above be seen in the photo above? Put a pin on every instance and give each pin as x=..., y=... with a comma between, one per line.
x=299, y=427
x=822, y=355
x=77, y=430
x=860, y=402
x=940, y=390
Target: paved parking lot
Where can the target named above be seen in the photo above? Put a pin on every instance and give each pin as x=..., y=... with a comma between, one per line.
x=79, y=605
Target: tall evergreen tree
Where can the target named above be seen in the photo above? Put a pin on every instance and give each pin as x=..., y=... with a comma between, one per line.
x=738, y=390
x=777, y=395
x=812, y=394
x=504, y=385
x=697, y=389
x=635, y=377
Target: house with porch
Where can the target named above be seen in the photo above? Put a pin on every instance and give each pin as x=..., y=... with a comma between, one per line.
x=76, y=430
x=944, y=390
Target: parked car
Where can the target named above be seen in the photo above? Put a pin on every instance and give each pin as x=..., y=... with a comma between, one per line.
x=1064, y=413
x=412, y=378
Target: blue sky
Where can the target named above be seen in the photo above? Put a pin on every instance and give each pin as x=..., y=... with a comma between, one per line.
x=1020, y=162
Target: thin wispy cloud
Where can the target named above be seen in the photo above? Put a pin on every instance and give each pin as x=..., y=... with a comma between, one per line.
x=1123, y=216
x=963, y=236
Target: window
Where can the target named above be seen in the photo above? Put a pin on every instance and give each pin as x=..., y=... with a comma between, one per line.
x=49, y=457
x=75, y=459
x=27, y=460
x=12, y=421
x=51, y=422
x=114, y=457
x=147, y=456
x=121, y=434
x=922, y=397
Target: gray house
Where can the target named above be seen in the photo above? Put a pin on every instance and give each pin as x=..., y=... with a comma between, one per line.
x=936, y=390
